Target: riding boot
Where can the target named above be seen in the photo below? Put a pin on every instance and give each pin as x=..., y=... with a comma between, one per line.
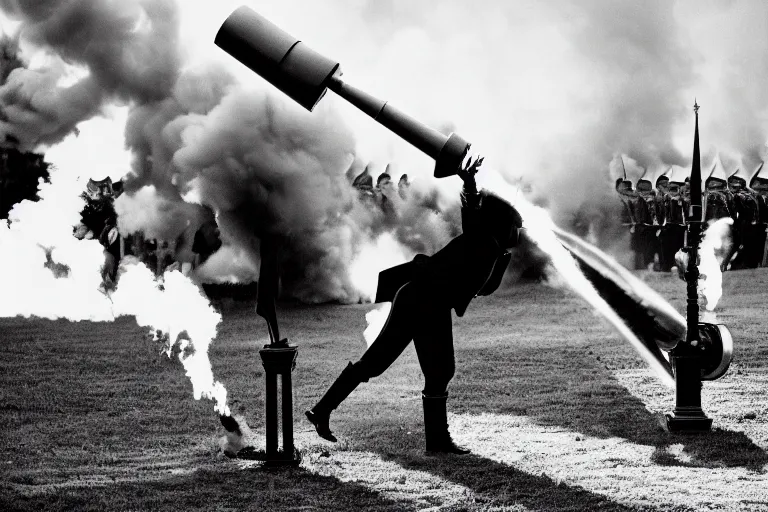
x=438, y=439
x=320, y=414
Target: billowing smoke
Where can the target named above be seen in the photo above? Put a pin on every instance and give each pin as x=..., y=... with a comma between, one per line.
x=128, y=49
x=9, y=56
x=551, y=93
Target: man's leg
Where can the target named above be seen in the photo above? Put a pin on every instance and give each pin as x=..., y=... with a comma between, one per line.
x=385, y=349
x=434, y=347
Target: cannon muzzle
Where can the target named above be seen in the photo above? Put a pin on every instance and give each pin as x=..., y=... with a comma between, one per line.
x=305, y=76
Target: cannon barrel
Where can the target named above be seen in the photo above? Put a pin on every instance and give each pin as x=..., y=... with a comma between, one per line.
x=304, y=75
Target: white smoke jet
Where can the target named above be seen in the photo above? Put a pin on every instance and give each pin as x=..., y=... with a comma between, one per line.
x=711, y=253
x=714, y=246
x=175, y=309
x=539, y=228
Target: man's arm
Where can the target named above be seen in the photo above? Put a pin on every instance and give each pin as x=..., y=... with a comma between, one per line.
x=470, y=197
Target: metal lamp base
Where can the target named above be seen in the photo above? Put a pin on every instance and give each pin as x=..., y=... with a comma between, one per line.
x=693, y=421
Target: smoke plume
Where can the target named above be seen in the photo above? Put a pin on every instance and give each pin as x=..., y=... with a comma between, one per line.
x=128, y=50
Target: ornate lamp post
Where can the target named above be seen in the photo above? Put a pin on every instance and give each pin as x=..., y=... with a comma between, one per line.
x=688, y=357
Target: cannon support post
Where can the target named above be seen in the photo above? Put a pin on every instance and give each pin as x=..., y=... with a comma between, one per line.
x=278, y=359
x=279, y=362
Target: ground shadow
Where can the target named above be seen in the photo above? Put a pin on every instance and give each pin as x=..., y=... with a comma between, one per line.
x=494, y=484
x=579, y=393
x=255, y=488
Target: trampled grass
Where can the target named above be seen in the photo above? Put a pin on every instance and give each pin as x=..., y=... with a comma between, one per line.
x=559, y=412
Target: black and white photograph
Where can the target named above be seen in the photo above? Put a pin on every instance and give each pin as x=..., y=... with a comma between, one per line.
x=385, y=255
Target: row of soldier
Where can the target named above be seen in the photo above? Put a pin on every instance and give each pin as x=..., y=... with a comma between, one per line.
x=384, y=192
x=657, y=216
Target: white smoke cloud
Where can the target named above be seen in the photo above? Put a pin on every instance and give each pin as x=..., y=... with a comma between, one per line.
x=47, y=273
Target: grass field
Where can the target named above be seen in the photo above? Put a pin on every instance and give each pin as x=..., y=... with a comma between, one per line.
x=560, y=415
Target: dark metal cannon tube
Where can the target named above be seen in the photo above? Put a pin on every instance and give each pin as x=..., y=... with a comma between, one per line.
x=305, y=75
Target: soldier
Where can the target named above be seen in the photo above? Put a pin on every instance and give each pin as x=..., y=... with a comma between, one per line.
x=760, y=185
x=99, y=221
x=423, y=292
x=207, y=237
x=165, y=257
x=402, y=187
x=647, y=228
x=675, y=223
x=745, y=222
x=363, y=182
x=662, y=191
x=628, y=199
x=198, y=241
x=717, y=199
x=385, y=191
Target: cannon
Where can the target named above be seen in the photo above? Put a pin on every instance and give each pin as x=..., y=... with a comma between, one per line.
x=305, y=76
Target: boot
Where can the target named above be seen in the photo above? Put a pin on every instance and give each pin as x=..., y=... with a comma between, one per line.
x=320, y=414
x=436, y=434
